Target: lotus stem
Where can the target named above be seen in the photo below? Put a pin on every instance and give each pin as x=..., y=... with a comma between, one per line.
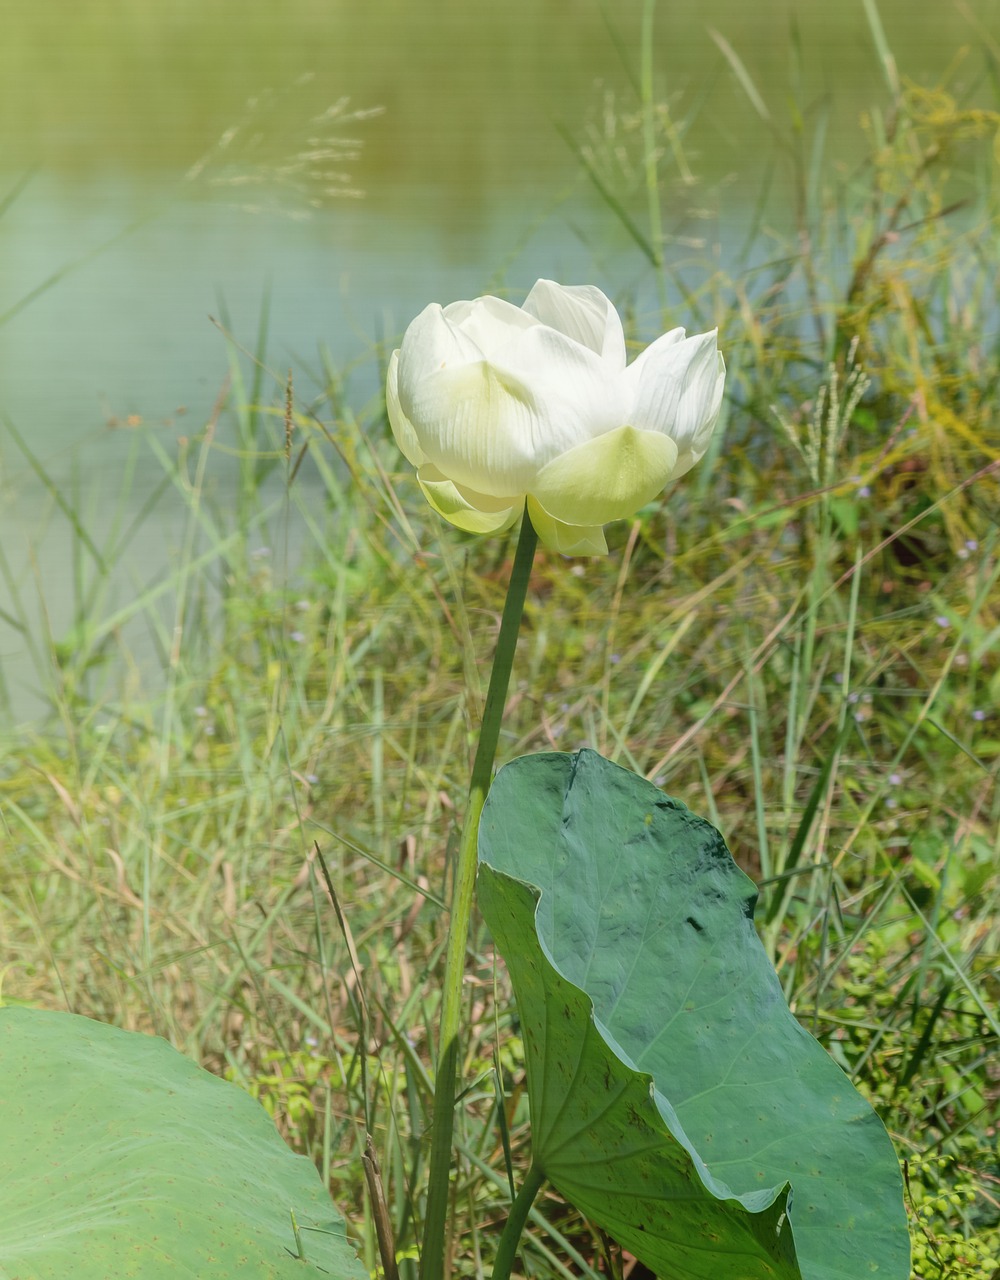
x=510, y=1237
x=445, y=1080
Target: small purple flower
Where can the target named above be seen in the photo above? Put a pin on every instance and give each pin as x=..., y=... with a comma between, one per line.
x=895, y=779
x=979, y=714
x=942, y=621
x=865, y=491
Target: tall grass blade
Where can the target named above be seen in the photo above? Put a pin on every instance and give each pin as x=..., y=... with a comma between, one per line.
x=742, y=75
x=12, y=195
x=885, y=54
x=55, y=493
x=609, y=197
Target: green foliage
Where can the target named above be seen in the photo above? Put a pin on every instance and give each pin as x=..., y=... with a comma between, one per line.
x=952, y=1241
x=664, y=1068
x=816, y=671
x=119, y=1156
x=290, y=1086
x=916, y=1041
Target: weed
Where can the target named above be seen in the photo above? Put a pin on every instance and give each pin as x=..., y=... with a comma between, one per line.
x=802, y=644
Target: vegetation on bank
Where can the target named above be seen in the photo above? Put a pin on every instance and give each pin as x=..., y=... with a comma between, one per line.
x=802, y=643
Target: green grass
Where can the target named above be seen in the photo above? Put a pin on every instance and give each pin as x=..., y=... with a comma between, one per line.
x=802, y=642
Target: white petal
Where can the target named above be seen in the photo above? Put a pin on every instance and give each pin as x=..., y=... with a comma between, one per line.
x=583, y=313
x=672, y=338
x=402, y=428
x=489, y=322
x=493, y=425
x=697, y=447
x=431, y=341
x=678, y=389
x=576, y=395
x=478, y=426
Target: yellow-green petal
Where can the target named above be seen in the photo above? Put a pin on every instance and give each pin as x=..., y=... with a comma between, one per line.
x=607, y=478
x=473, y=512
x=566, y=539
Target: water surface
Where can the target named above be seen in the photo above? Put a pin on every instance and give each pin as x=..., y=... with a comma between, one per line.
x=335, y=166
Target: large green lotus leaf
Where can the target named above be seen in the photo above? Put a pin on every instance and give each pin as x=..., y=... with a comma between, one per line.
x=673, y=1095
x=120, y=1157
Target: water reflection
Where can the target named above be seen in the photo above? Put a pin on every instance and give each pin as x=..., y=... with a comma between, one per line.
x=183, y=167
x=470, y=90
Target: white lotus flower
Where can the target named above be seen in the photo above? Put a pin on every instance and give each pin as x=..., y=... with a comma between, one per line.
x=497, y=405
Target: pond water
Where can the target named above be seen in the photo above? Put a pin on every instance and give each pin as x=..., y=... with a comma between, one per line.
x=336, y=166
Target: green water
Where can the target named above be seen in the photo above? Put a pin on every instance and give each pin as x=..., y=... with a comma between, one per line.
x=331, y=166
x=470, y=90
x=229, y=127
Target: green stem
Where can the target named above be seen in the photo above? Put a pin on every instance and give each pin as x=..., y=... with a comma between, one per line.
x=432, y=1252
x=510, y=1237
x=649, y=137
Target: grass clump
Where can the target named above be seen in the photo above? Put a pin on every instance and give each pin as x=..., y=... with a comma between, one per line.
x=802, y=643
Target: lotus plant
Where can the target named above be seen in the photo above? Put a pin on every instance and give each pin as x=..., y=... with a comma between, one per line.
x=674, y=1098
x=533, y=412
